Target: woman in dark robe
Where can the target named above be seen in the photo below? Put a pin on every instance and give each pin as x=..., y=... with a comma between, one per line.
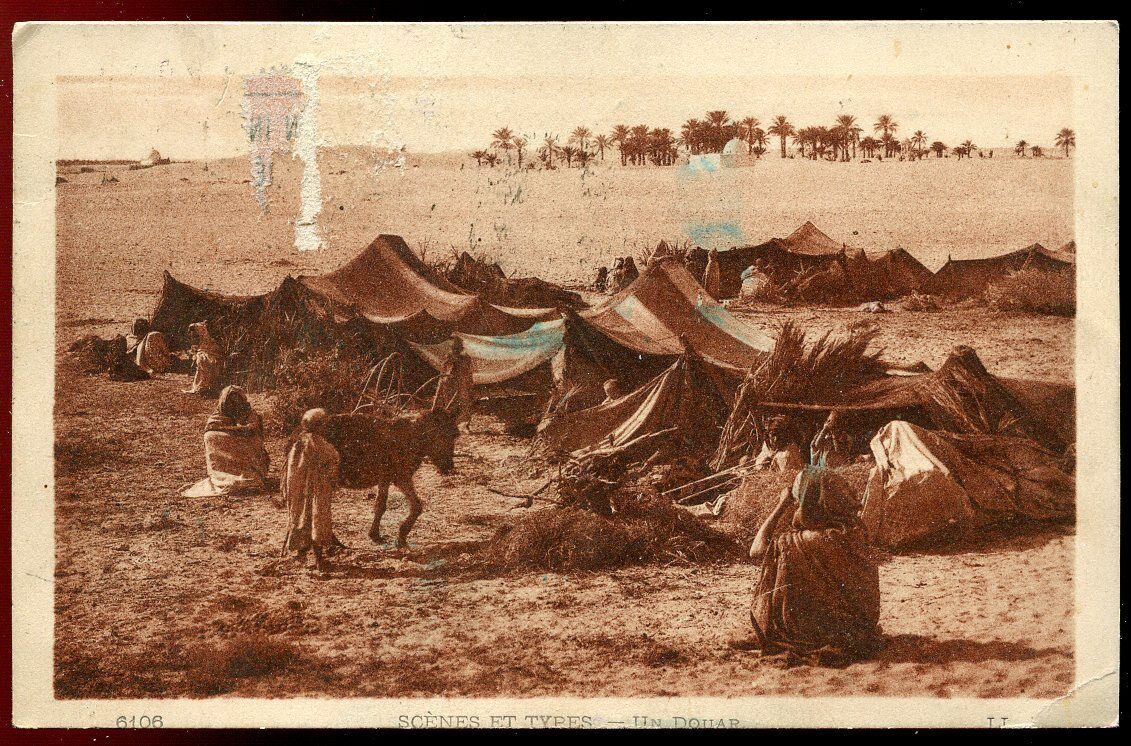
x=818, y=597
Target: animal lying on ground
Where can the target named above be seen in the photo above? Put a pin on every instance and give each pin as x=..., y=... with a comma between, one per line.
x=379, y=452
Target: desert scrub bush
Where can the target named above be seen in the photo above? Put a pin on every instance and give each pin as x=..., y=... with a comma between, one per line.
x=214, y=669
x=1035, y=291
x=330, y=379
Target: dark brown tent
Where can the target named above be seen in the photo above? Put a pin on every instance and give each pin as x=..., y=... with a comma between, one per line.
x=782, y=264
x=373, y=305
x=812, y=241
x=489, y=282
x=179, y=305
x=390, y=285
x=964, y=278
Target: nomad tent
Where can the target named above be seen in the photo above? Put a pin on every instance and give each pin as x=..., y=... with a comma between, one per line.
x=491, y=283
x=962, y=278
x=683, y=401
x=377, y=303
x=636, y=332
x=960, y=397
x=633, y=336
x=928, y=482
x=812, y=241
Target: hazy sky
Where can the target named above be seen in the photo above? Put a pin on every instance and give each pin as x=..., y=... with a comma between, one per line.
x=438, y=88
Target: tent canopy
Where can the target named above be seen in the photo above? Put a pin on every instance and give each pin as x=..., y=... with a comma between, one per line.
x=811, y=240
x=683, y=397
x=390, y=285
x=959, y=397
x=960, y=278
x=662, y=315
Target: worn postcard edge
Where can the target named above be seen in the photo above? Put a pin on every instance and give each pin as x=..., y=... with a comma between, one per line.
x=1085, y=51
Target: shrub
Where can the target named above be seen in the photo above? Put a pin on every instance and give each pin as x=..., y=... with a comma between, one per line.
x=1035, y=291
x=330, y=379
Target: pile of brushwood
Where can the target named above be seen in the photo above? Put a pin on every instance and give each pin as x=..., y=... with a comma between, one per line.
x=606, y=518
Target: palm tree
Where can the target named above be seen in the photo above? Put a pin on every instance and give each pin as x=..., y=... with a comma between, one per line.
x=759, y=139
x=850, y=131
x=583, y=157
x=887, y=127
x=781, y=128
x=1066, y=139
x=869, y=146
x=602, y=142
x=1020, y=147
x=939, y=148
x=799, y=139
x=548, y=150
x=502, y=140
x=580, y=137
x=491, y=159
x=620, y=136
x=692, y=135
x=919, y=139
x=718, y=120
x=749, y=124
x=479, y=155
x=519, y=143
x=969, y=147
x=890, y=145
x=662, y=146
x=569, y=153
x=1037, y=151
x=638, y=144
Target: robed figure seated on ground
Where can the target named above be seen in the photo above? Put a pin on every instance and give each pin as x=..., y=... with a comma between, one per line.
x=818, y=597
x=234, y=453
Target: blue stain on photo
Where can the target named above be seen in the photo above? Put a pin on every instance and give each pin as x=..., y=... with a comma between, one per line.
x=706, y=234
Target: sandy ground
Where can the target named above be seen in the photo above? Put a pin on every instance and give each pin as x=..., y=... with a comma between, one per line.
x=145, y=577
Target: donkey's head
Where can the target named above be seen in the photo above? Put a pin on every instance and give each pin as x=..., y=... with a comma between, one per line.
x=438, y=433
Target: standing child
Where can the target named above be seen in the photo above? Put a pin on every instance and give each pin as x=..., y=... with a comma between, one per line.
x=309, y=481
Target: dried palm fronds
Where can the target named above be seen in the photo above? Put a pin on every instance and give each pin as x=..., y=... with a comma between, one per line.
x=797, y=372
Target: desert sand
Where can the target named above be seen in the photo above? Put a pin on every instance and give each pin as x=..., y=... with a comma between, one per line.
x=146, y=579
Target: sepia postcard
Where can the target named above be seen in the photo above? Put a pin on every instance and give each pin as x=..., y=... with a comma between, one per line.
x=594, y=375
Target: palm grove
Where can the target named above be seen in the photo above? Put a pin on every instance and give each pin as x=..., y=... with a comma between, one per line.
x=641, y=145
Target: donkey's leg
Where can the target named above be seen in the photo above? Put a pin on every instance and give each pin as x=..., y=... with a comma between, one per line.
x=415, y=508
x=379, y=505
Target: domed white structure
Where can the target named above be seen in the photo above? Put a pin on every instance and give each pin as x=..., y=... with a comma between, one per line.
x=737, y=153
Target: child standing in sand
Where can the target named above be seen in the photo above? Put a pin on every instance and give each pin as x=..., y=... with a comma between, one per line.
x=309, y=482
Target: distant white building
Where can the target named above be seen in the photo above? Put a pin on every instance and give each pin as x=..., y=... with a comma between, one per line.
x=736, y=153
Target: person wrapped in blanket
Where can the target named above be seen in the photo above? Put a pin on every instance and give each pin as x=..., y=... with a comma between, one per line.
x=234, y=453
x=149, y=348
x=779, y=451
x=818, y=596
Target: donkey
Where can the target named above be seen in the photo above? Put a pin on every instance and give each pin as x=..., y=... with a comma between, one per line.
x=379, y=451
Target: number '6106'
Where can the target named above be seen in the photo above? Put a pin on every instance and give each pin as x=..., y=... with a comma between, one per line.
x=139, y=721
